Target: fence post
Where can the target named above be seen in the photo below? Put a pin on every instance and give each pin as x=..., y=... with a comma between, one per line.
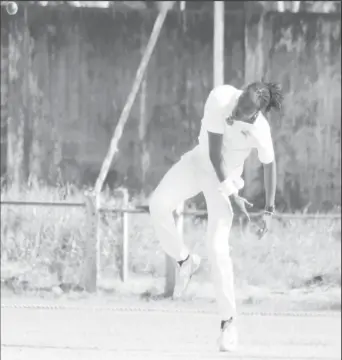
x=170, y=276
x=91, y=249
x=125, y=239
x=170, y=268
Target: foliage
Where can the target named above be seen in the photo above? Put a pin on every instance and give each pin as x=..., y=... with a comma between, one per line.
x=42, y=247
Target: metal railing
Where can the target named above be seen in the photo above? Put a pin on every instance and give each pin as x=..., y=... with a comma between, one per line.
x=141, y=209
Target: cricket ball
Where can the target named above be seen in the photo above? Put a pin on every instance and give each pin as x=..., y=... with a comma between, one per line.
x=12, y=7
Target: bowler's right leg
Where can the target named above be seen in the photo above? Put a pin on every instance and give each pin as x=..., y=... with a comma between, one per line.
x=178, y=184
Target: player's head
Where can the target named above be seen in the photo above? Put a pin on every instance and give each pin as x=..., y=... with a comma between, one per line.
x=257, y=96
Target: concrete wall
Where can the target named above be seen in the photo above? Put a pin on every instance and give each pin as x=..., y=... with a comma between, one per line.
x=67, y=74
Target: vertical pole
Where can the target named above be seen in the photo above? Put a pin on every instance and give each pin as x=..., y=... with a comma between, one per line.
x=170, y=280
x=218, y=43
x=125, y=239
x=90, y=261
x=97, y=204
x=26, y=113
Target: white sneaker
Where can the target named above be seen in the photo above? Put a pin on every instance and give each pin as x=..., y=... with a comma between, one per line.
x=185, y=273
x=229, y=337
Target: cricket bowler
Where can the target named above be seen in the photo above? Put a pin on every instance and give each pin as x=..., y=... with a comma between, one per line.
x=234, y=123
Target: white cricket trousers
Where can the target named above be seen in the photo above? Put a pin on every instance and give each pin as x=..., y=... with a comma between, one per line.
x=191, y=175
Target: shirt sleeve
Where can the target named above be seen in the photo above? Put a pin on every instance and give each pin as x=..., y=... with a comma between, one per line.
x=214, y=118
x=265, y=145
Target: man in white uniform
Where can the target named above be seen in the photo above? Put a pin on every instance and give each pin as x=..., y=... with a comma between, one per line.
x=233, y=124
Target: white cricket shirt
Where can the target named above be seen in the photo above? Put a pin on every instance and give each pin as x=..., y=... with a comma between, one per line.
x=238, y=139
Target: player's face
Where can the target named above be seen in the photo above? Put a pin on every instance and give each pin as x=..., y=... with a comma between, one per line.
x=245, y=109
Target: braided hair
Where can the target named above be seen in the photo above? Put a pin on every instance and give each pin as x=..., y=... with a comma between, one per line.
x=266, y=95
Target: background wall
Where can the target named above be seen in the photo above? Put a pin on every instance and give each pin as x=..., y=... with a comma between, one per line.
x=63, y=88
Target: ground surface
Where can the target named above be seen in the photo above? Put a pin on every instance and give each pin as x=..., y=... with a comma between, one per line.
x=74, y=330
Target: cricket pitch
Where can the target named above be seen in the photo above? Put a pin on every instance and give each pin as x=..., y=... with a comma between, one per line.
x=154, y=333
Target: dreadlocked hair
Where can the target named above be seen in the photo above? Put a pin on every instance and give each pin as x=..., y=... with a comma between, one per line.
x=267, y=95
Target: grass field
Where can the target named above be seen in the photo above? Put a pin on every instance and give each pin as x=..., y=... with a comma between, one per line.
x=43, y=247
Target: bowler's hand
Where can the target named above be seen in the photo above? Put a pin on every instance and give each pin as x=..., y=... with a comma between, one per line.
x=265, y=224
x=241, y=204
